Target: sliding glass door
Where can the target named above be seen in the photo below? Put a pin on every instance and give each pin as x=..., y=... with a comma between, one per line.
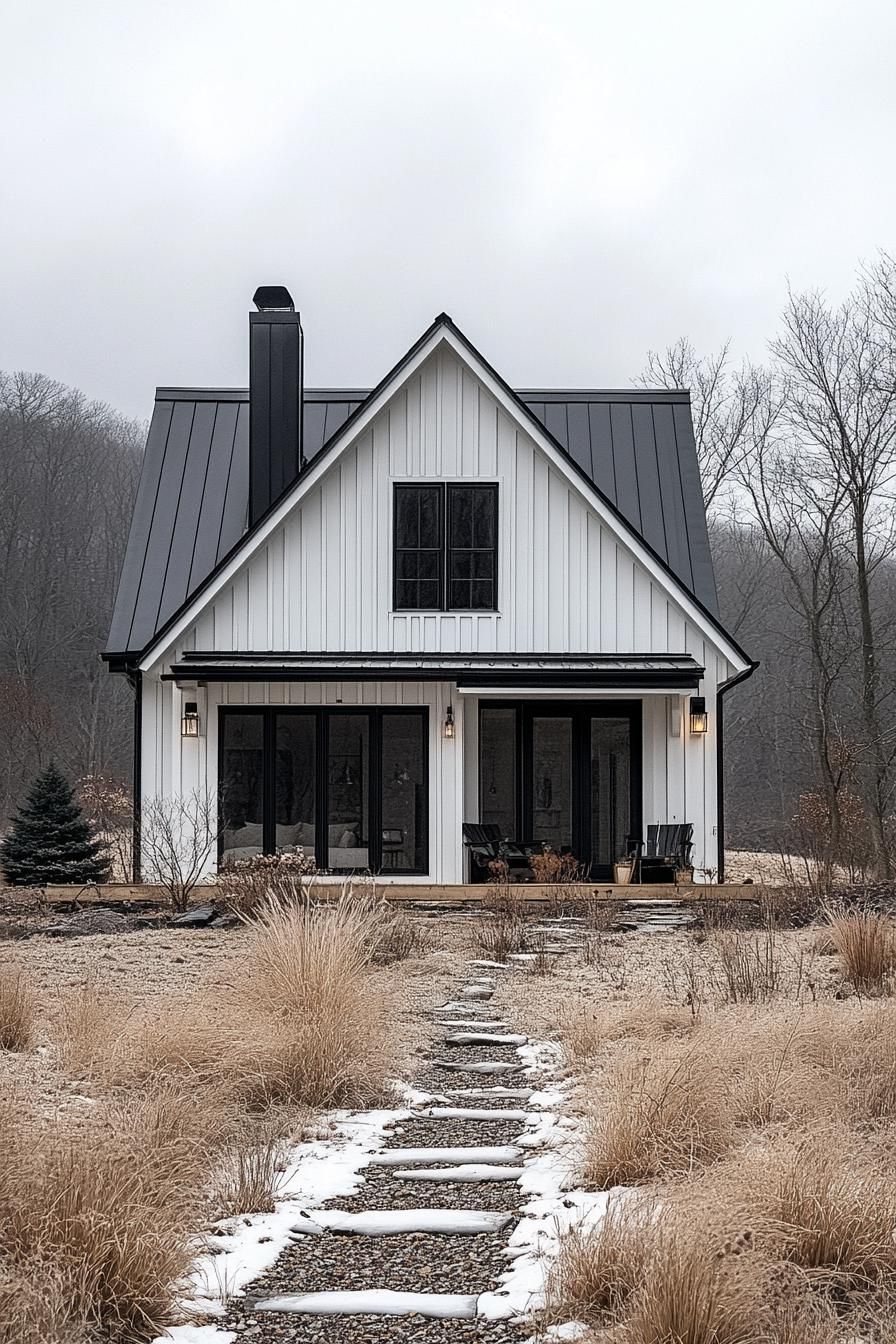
x=349, y=786
x=566, y=775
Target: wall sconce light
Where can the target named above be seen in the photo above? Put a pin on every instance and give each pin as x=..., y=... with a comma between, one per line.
x=448, y=729
x=699, y=717
x=189, y=724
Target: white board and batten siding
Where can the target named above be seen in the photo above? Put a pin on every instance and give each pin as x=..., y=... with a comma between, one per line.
x=568, y=582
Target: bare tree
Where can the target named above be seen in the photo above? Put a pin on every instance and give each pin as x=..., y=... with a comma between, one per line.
x=801, y=519
x=178, y=836
x=840, y=409
x=723, y=403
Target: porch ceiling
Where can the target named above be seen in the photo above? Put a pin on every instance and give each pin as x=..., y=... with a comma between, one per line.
x=672, y=671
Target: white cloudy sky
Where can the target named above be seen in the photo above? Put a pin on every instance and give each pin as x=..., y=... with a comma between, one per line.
x=574, y=182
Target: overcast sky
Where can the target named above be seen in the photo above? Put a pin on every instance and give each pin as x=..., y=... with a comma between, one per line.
x=573, y=182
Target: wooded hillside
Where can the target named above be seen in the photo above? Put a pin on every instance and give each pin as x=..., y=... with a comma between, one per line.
x=68, y=474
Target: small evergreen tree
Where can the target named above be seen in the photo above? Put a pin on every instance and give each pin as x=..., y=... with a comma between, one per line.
x=50, y=840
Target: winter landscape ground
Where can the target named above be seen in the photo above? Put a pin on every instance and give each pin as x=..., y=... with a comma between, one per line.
x=493, y=1126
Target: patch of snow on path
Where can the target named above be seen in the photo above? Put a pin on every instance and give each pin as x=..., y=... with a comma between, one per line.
x=552, y=1208
x=399, y=1222
x=196, y=1334
x=318, y=1170
x=374, y=1302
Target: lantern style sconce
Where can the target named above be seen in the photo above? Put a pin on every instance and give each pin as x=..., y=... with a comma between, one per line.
x=448, y=729
x=699, y=717
x=189, y=724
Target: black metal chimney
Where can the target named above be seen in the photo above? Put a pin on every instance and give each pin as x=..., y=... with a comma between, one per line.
x=275, y=397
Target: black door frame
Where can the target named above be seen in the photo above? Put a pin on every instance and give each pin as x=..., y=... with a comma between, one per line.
x=321, y=715
x=580, y=712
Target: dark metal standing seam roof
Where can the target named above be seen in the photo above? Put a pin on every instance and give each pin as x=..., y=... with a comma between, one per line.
x=636, y=446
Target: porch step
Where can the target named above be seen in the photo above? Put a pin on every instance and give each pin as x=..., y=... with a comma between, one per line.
x=655, y=916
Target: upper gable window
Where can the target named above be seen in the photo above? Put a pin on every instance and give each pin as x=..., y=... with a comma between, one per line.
x=446, y=548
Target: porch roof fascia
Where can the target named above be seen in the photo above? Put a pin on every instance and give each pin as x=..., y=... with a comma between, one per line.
x=658, y=672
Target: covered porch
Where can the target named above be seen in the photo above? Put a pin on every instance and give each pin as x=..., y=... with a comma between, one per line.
x=374, y=763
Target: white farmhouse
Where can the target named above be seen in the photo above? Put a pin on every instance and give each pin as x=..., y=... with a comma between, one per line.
x=358, y=620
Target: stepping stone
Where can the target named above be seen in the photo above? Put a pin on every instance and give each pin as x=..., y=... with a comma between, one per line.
x=473, y=1026
x=476, y=992
x=470, y=1113
x=374, y=1302
x=411, y=1157
x=400, y=1222
x=483, y=1038
x=467, y=1171
x=487, y=1066
x=455, y=1007
x=491, y=965
x=509, y=1093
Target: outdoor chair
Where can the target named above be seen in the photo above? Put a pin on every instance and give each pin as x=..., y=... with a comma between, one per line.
x=487, y=845
x=668, y=849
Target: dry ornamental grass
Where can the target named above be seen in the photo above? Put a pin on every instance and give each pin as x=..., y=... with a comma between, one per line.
x=106, y=1217
x=598, y=1270
x=656, y=1115
x=17, y=1009
x=193, y=1099
x=866, y=942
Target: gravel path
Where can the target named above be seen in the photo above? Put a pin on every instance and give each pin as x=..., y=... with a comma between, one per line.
x=412, y=1262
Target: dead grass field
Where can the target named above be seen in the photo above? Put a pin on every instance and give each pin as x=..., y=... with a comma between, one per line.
x=737, y=1096
x=150, y=1084
x=740, y=1105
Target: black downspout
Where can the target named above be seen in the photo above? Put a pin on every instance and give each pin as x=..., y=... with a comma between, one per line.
x=720, y=760
x=137, y=683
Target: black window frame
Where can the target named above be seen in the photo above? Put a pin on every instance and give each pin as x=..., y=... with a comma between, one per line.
x=448, y=492
x=322, y=715
x=580, y=712
x=453, y=490
x=438, y=489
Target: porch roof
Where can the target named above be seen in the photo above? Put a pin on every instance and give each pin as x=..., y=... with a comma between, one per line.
x=650, y=671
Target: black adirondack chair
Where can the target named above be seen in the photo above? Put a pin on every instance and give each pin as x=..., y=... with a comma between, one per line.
x=487, y=845
x=668, y=849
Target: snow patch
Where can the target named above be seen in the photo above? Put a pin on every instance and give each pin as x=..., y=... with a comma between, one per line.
x=470, y=1025
x=511, y=1093
x=471, y=1113
x=318, y=1170
x=374, y=1302
x=483, y=1038
x=482, y=1066
x=467, y=1172
x=195, y=1334
x=541, y=1056
x=410, y=1157
x=411, y=1096
x=397, y=1222
x=552, y=1208
x=537, y=1237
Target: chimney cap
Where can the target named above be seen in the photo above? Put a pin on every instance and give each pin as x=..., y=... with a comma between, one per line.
x=273, y=299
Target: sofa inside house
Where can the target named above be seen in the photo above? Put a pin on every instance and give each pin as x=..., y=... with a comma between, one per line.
x=346, y=850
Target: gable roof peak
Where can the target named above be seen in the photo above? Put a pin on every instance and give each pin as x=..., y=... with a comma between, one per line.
x=639, y=461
